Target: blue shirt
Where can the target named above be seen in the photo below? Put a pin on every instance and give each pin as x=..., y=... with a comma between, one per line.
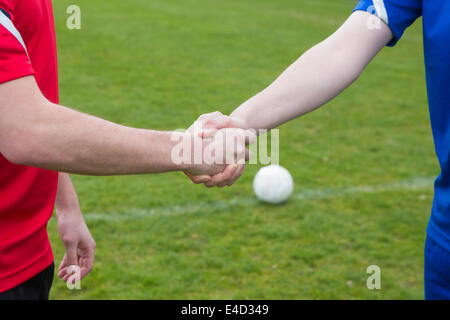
x=398, y=15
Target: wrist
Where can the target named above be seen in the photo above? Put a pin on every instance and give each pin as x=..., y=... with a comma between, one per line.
x=67, y=209
x=187, y=153
x=241, y=117
x=181, y=153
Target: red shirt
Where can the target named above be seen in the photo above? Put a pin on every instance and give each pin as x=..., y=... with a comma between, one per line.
x=27, y=195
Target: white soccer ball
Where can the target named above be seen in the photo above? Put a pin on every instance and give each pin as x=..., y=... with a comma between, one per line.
x=273, y=184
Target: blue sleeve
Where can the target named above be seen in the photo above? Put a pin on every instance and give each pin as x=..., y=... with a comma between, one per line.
x=397, y=14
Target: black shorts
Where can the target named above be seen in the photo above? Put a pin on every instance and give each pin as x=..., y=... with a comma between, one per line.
x=36, y=288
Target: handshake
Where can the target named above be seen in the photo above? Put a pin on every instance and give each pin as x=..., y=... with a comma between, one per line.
x=216, y=150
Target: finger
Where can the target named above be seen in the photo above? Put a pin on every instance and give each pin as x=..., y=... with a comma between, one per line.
x=71, y=254
x=66, y=277
x=221, y=122
x=198, y=124
x=63, y=263
x=228, y=181
x=224, y=175
x=210, y=184
x=201, y=179
x=62, y=273
x=87, y=263
x=234, y=169
x=210, y=115
x=250, y=136
x=85, y=271
x=62, y=267
x=221, y=177
x=238, y=173
x=198, y=179
x=73, y=273
x=207, y=133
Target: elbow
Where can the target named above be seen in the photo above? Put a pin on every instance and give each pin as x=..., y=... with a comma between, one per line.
x=349, y=63
x=14, y=154
x=21, y=149
x=354, y=75
x=18, y=152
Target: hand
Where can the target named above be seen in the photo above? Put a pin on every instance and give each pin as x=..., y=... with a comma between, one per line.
x=227, y=177
x=206, y=126
x=210, y=155
x=79, y=244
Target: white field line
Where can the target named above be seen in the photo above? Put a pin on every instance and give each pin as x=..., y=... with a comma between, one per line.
x=416, y=184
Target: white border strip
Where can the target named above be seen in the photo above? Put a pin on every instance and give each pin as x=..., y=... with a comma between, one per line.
x=7, y=23
x=381, y=10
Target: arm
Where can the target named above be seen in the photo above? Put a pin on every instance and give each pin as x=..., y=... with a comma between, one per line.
x=74, y=233
x=36, y=132
x=318, y=76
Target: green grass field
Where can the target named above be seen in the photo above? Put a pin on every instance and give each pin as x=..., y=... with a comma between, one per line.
x=363, y=165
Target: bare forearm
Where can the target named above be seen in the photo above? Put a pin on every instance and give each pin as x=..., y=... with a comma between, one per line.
x=66, y=196
x=73, y=142
x=317, y=76
x=313, y=80
x=90, y=145
x=306, y=85
x=39, y=133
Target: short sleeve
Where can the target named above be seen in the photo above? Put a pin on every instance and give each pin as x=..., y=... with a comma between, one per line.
x=397, y=14
x=14, y=61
